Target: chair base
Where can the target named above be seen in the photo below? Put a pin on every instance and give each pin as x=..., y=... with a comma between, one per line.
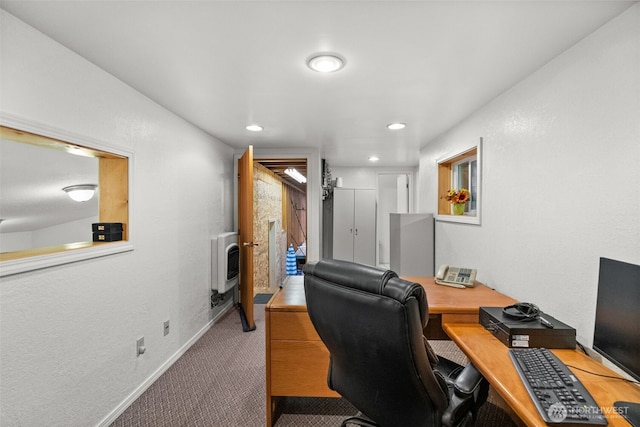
x=360, y=420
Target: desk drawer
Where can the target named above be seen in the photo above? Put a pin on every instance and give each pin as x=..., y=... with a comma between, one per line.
x=292, y=325
x=299, y=368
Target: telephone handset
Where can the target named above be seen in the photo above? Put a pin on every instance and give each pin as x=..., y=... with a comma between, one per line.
x=456, y=277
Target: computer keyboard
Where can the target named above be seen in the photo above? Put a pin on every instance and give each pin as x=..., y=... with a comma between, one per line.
x=559, y=396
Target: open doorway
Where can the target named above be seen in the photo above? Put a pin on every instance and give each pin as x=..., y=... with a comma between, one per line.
x=394, y=196
x=280, y=220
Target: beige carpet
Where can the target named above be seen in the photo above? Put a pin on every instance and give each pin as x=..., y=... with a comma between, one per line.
x=220, y=381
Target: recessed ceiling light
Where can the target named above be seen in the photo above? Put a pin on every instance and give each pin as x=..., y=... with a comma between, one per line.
x=325, y=62
x=254, y=128
x=374, y=158
x=396, y=126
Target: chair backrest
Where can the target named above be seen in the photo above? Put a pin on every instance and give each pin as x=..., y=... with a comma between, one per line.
x=372, y=323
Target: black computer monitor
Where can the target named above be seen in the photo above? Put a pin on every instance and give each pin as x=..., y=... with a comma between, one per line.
x=617, y=329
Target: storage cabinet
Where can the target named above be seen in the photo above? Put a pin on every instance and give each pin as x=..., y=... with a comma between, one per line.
x=354, y=225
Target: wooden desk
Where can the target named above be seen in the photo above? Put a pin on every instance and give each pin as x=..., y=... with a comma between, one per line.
x=297, y=361
x=491, y=358
x=453, y=305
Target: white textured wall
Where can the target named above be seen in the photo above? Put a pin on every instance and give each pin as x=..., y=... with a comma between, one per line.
x=355, y=177
x=387, y=203
x=561, y=167
x=67, y=355
x=17, y=241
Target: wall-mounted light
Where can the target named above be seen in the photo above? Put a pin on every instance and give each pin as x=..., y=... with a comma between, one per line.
x=81, y=193
x=293, y=173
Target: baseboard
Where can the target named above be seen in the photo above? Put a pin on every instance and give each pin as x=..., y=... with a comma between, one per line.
x=111, y=417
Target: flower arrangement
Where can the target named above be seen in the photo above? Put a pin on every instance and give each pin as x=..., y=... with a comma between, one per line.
x=459, y=196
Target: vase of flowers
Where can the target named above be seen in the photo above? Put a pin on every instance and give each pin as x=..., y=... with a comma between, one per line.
x=457, y=198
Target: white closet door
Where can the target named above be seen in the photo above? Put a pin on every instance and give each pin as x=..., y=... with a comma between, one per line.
x=364, y=246
x=402, y=193
x=343, y=228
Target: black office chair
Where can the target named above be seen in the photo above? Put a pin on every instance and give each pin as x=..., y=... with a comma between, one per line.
x=372, y=323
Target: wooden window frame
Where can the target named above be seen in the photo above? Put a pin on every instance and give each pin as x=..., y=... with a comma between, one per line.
x=115, y=181
x=445, y=181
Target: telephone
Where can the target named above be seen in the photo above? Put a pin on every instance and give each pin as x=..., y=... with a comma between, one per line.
x=456, y=277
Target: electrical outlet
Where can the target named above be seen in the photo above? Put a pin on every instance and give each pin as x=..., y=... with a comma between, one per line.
x=166, y=328
x=140, y=348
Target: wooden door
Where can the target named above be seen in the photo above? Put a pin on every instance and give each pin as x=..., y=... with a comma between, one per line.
x=245, y=236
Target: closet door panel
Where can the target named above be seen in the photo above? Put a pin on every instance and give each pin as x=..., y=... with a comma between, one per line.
x=364, y=247
x=343, y=227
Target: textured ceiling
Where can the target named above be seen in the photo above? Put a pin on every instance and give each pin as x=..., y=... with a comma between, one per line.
x=224, y=64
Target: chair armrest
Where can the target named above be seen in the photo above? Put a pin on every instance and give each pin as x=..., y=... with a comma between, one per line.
x=468, y=381
x=470, y=391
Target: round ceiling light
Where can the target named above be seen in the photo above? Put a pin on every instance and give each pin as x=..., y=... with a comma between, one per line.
x=396, y=126
x=254, y=128
x=81, y=193
x=325, y=62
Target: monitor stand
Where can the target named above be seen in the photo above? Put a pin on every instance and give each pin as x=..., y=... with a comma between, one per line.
x=630, y=411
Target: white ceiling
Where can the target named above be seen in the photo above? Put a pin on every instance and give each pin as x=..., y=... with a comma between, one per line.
x=224, y=64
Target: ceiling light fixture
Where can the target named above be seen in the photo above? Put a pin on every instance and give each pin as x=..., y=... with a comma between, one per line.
x=325, y=62
x=293, y=173
x=254, y=128
x=374, y=158
x=81, y=193
x=396, y=126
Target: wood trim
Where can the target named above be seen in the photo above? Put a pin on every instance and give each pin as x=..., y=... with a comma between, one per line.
x=114, y=193
x=285, y=211
x=444, y=183
x=245, y=233
x=295, y=234
x=8, y=256
x=445, y=175
x=113, y=188
x=53, y=143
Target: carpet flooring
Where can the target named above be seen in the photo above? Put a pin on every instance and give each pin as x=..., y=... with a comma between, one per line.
x=220, y=381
